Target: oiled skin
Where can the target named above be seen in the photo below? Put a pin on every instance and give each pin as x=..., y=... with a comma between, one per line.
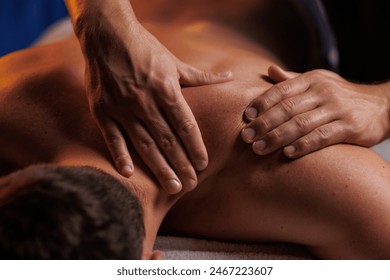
x=335, y=201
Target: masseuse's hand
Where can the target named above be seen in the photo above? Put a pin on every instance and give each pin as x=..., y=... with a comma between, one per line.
x=306, y=112
x=133, y=86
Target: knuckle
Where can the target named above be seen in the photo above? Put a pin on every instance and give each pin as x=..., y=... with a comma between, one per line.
x=302, y=123
x=187, y=127
x=263, y=104
x=326, y=90
x=324, y=135
x=146, y=145
x=264, y=123
x=323, y=73
x=152, y=78
x=316, y=75
x=323, y=89
x=205, y=76
x=350, y=134
x=169, y=97
x=289, y=106
x=113, y=140
x=122, y=159
x=304, y=144
x=159, y=82
x=276, y=135
x=284, y=88
x=168, y=142
x=166, y=84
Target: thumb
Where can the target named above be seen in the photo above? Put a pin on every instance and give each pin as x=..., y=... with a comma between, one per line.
x=191, y=76
x=278, y=75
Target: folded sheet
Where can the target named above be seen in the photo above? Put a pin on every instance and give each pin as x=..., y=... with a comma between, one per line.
x=182, y=248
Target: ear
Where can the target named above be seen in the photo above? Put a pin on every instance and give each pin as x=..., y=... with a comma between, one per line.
x=278, y=75
x=155, y=255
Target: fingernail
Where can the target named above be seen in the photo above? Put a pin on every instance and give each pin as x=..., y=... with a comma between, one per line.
x=127, y=171
x=248, y=134
x=200, y=164
x=251, y=113
x=173, y=186
x=189, y=184
x=290, y=150
x=259, y=146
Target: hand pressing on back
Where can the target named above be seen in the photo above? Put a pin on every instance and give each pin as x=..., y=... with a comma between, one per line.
x=133, y=85
x=306, y=112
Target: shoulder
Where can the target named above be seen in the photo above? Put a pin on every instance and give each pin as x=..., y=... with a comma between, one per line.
x=33, y=82
x=219, y=112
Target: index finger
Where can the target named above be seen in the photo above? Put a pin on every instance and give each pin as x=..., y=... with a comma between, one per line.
x=116, y=145
x=184, y=124
x=276, y=94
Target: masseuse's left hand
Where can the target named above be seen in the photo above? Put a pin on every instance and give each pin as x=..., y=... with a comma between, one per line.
x=306, y=112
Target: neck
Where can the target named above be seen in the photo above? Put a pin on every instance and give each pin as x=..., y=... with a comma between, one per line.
x=154, y=200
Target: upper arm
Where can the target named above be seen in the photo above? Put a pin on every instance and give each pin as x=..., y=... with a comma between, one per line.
x=336, y=201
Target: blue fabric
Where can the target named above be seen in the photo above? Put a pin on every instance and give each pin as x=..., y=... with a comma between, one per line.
x=22, y=21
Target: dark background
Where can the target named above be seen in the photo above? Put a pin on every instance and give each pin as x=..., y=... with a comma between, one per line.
x=362, y=29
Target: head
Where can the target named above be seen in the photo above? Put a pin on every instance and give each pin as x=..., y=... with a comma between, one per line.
x=53, y=212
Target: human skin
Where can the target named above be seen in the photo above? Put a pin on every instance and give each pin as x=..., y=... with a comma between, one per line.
x=335, y=201
x=133, y=89
x=307, y=112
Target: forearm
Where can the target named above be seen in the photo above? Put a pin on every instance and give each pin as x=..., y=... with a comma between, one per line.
x=88, y=14
x=383, y=90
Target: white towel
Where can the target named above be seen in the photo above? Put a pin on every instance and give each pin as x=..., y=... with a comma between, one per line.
x=182, y=248
x=383, y=149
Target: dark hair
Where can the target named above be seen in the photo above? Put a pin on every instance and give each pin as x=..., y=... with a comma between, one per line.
x=53, y=212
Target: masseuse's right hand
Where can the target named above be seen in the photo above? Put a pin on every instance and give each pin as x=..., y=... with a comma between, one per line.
x=133, y=86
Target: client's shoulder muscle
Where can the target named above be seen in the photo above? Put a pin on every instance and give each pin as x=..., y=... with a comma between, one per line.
x=32, y=94
x=219, y=111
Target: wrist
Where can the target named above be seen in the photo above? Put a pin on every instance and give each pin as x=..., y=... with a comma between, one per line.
x=98, y=15
x=383, y=90
x=98, y=24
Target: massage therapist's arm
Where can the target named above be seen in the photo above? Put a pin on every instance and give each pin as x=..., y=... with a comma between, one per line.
x=133, y=87
x=306, y=112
